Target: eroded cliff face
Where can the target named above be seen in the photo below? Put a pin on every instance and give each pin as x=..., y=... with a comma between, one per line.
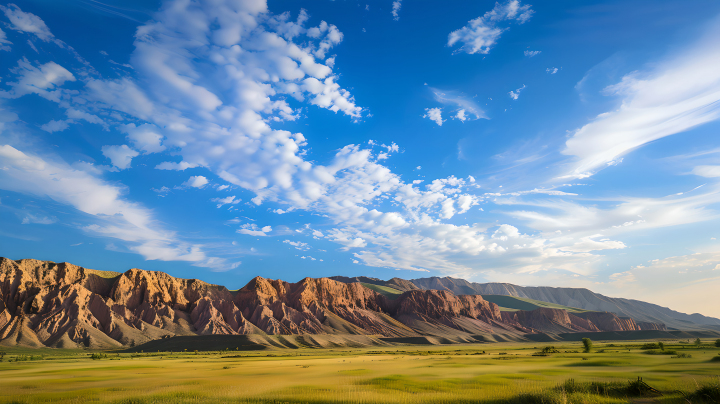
x=44, y=303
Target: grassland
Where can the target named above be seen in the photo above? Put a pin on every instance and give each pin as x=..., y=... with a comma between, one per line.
x=386, y=291
x=512, y=303
x=479, y=373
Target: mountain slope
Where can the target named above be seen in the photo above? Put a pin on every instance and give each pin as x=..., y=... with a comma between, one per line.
x=43, y=303
x=576, y=297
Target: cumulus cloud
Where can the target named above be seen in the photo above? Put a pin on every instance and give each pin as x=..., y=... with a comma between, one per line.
x=552, y=70
x=675, y=96
x=42, y=80
x=482, y=33
x=27, y=22
x=120, y=156
x=530, y=53
x=209, y=82
x=516, y=94
x=435, y=115
x=145, y=137
x=251, y=229
x=196, y=181
x=396, y=9
x=299, y=245
x=55, y=126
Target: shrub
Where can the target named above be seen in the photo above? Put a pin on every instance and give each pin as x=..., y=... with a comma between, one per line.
x=698, y=342
x=717, y=343
x=587, y=343
x=650, y=345
x=709, y=392
x=682, y=355
x=661, y=345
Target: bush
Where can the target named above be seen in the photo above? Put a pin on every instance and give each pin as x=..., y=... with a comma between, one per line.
x=717, y=343
x=587, y=343
x=682, y=355
x=650, y=345
x=661, y=345
x=631, y=388
x=698, y=342
x=709, y=393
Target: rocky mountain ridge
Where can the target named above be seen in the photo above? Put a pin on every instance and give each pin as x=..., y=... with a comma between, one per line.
x=581, y=298
x=43, y=303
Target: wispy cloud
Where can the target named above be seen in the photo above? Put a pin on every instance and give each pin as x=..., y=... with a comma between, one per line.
x=482, y=33
x=679, y=94
x=470, y=109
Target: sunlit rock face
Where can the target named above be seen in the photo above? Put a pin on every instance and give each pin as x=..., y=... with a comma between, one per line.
x=43, y=303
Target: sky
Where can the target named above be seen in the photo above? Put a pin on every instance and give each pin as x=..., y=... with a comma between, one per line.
x=541, y=143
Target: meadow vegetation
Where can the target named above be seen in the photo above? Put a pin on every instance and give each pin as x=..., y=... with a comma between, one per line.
x=507, y=373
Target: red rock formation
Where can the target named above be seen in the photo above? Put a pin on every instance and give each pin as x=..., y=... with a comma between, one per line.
x=651, y=326
x=63, y=305
x=606, y=321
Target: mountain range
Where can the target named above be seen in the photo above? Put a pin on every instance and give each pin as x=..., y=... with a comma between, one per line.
x=43, y=303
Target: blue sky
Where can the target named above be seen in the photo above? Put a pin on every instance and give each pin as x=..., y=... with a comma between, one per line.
x=539, y=143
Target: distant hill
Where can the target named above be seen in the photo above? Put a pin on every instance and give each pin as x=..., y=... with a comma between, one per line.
x=576, y=297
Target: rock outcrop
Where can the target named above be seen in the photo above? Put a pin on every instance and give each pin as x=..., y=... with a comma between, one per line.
x=43, y=303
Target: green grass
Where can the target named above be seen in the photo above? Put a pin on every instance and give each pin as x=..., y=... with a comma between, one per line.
x=400, y=374
x=512, y=303
x=386, y=291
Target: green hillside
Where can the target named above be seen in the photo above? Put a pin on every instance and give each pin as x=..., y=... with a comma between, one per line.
x=512, y=303
x=388, y=292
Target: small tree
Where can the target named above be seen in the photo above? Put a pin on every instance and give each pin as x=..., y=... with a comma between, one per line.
x=661, y=345
x=717, y=343
x=587, y=343
x=2, y=353
x=698, y=342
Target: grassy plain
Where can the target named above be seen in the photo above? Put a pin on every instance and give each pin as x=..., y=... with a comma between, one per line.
x=478, y=373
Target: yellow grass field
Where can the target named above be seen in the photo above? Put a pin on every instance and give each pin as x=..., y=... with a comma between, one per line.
x=479, y=373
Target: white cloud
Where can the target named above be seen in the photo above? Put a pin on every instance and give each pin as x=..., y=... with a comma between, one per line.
x=196, y=181
x=299, y=245
x=230, y=200
x=42, y=80
x=530, y=53
x=4, y=41
x=30, y=218
x=114, y=217
x=120, y=156
x=516, y=94
x=465, y=104
x=435, y=115
x=74, y=114
x=552, y=70
x=55, y=126
x=145, y=137
x=251, y=229
x=27, y=22
x=482, y=33
x=396, y=9
x=169, y=165
x=707, y=171
x=677, y=95
x=461, y=115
